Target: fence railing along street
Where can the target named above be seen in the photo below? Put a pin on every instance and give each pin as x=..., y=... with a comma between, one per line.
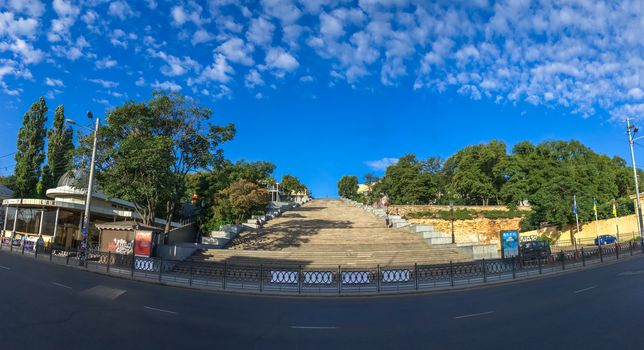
x=330, y=280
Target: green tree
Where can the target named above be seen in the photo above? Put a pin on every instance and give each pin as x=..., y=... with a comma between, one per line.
x=194, y=142
x=60, y=149
x=348, y=187
x=411, y=181
x=142, y=173
x=471, y=173
x=30, y=154
x=240, y=200
x=291, y=184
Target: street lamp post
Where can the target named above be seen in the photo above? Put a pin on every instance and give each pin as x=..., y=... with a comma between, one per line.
x=90, y=190
x=631, y=130
x=451, y=211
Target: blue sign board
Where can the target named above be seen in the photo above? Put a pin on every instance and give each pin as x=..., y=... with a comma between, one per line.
x=509, y=243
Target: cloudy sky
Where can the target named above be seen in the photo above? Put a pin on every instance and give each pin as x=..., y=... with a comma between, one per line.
x=325, y=88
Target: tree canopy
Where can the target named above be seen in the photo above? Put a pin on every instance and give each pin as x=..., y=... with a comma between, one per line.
x=60, y=151
x=30, y=154
x=546, y=176
x=348, y=187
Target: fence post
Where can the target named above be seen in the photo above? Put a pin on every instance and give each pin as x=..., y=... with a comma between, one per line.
x=451, y=273
x=378, y=279
x=35, y=252
x=225, y=273
x=11, y=244
x=132, y=265
x=23, y=248
x=416, y=274
x=563, y=260
x=300, y=280
x=339, y=279
x=261, y=277
x=539, y=259
x=630, y=247
x=51, y=254
x=616, y=251
x=583, y=257
x=109, y=260
x=484, y=271
x=601, y=254
x=160, y=268
x=191, y=263
x=514, y=273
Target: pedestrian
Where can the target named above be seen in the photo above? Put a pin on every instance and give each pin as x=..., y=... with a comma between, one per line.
x=387, y=220
x=396, y=211
x=258, y=224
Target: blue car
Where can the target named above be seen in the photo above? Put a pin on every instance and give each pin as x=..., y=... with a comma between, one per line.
x=605, y=239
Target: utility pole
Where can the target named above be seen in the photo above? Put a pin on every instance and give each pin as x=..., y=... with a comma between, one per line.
x=88, y=200
x=631, y=130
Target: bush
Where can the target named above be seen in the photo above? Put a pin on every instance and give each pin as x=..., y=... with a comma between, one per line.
x=459, y=214
x=502, y=214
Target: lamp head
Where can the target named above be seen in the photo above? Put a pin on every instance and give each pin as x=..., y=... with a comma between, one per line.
x=90, y=115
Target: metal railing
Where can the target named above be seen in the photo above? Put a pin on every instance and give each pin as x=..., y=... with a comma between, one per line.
x=331, y=280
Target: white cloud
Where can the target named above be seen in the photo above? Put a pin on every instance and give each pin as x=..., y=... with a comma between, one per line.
x=24, y=50
x=121, y=10
x=192, y=13
x=67, y=13
x=253, y=79
x=219, y=70
x=17, y=27
x=33, y=8
x=140, y=82
x=166, y=85
x=54, y=82
x=260, y=31
x=284, y=10
x=237, y=51
x=381, y=164
x=105, y=63
x=104, y=83
x=277, y=58
x=175, y=66
x=202, y=36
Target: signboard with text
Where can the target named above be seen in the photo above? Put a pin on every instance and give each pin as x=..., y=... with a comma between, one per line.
x=509, y=243
x=143, y=243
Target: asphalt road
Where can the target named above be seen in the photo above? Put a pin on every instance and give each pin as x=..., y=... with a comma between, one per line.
x=45, y=306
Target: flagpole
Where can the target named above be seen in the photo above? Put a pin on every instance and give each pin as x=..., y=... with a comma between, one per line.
x=616, y=218
x=596, y=219
x=576, y=219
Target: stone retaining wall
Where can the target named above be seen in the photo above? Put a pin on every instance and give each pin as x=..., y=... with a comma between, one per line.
x=406, y=209
x=481, y=230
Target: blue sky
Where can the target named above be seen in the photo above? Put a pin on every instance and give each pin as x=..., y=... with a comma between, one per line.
x=325, y=88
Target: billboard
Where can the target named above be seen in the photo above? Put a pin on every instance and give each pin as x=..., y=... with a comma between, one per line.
x=509, y=243
x=143, y=243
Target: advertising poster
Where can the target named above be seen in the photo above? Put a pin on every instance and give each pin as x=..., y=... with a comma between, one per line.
x=509, y=243
x=143, y=243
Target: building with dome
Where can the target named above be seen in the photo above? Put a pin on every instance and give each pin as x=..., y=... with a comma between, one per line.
x=58, y=219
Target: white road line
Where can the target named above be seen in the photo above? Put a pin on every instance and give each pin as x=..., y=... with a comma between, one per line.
x=160, y=310
x=312, y=327
x=584, y=290
x=4, y=267
x=61, y=285
x=474, y=315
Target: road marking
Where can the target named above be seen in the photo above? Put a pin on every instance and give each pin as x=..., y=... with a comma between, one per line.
x=584, y=290
x=61, y=285
x=104, y=292
x=631, y=273
x=4, y=267
x=474, y=315
x=312, y=327
x=160, y=310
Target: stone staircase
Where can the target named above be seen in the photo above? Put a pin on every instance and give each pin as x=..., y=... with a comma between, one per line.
x=430, y=236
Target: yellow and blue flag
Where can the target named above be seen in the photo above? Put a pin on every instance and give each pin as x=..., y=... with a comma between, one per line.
x=595, y=205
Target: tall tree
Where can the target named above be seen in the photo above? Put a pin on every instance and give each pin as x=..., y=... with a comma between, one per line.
x=412, y=181
x=348, y=187
x=60, y=148
x=240, y=200
x=291, y=184
x=194, y=142
x=31, y=154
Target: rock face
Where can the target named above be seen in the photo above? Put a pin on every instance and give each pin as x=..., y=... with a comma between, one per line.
x=481, y=230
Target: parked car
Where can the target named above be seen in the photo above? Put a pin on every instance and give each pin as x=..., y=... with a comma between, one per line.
x=534, y=250
x=605, y=239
